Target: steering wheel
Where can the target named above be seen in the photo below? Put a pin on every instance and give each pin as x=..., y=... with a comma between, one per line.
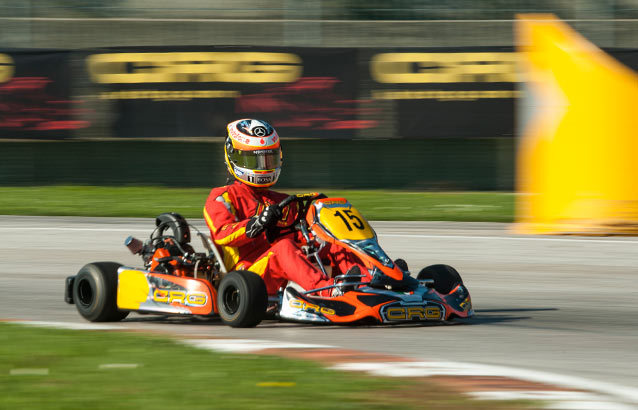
x=304, y=201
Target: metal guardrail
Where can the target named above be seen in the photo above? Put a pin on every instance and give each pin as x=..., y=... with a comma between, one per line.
x=77, y=33
x=320, y=10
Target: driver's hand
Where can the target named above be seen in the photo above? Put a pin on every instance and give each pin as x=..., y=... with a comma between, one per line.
x=269, y=216
x=261, y=222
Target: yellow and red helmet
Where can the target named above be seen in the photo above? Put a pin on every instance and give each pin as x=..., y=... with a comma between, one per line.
x=253, y=152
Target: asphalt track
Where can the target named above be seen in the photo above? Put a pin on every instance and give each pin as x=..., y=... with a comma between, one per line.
x=565, y=305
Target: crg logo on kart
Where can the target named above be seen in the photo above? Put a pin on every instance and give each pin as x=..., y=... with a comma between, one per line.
x=184, y=298
x=306, y=306
x=404, y=313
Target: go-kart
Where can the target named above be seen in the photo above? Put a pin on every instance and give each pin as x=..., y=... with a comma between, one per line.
x=176, y=280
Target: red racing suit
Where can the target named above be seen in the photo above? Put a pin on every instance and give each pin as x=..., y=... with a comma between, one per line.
x=227, y=212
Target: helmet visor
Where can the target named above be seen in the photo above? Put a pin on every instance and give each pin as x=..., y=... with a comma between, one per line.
x=256, y=160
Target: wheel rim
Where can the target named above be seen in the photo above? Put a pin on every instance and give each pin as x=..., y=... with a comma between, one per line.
x=85, y=293
x=231, y=300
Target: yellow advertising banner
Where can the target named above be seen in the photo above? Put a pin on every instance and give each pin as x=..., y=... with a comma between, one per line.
x=577, y=160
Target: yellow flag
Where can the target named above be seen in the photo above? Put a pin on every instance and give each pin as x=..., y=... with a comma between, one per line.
x=577, y=161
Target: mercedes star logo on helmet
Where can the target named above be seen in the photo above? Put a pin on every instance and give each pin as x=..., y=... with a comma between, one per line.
x=260, y=131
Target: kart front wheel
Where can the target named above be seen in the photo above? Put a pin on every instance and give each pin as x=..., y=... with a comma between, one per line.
x=95, y=292
x=242, y=299
x=445, y=277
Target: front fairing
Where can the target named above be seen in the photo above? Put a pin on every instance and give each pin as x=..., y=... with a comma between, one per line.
x=382, y=281
x=335, y=220
x=458, y=302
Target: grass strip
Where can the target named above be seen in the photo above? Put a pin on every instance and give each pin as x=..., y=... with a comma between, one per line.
x=107, y=370
x=378, y=205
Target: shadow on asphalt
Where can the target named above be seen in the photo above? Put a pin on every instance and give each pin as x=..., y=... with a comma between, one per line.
x=514, y=310
x=276, y=323
x=483, y=316
x=174, y=320
x=491, y=316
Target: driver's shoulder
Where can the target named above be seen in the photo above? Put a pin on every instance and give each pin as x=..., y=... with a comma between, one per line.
x=223, y=194
x=219, y=191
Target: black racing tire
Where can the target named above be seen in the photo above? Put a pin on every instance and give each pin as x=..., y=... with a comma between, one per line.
x=402, y=264
x=95, y=292
x=445, y=277
x=242, y=299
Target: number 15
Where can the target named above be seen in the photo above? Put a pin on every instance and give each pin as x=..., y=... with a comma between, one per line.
x=356, y=221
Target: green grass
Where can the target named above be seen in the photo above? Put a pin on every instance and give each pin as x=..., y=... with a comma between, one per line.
x=151, y=201
x=169, y=375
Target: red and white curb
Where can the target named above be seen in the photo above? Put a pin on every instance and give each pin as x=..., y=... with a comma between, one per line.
x=579, y=393
x=479, y=381
x=554, y=391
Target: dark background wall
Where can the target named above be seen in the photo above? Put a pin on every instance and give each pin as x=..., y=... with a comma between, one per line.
x=342, y=126
x=347, y=119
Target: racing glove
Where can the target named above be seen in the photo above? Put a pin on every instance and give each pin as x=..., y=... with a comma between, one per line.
x=261, y=222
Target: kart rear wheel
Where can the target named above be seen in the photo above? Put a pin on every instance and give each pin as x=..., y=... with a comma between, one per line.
x=445, y=277
x=242, y=299
x=95, y=292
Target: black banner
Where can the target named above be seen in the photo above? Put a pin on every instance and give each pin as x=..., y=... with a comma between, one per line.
x=446, y=92
x=35, y=95
x=195, y=92
x=179, y=92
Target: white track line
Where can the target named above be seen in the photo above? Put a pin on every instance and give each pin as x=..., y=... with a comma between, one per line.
x=62, y=228
x=575, y=400
x=247, y=345
x=67, y=325
x=506, y=238
x=389, y=235
x=425, y=369
x=536, y=395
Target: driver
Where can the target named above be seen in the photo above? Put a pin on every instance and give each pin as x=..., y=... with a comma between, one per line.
x=243, y=216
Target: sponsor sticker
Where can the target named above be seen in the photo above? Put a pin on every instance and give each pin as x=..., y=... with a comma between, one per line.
x=178, y=296
x=415, y=313
x=310, y=307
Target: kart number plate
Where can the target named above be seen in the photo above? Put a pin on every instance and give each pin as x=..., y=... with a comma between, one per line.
x=345, y=222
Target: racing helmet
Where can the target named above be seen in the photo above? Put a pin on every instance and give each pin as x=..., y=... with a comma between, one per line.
x=252, y=152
